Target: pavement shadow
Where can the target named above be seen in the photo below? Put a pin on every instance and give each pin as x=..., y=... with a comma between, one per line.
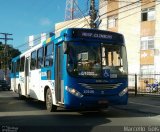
x=68, y=122
x=30, y=115
x=12, y=103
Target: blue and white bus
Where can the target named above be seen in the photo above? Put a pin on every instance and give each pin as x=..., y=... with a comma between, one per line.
x=79, y=69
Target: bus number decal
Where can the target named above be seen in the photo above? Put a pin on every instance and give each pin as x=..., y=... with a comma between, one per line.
x=87, y=74
x=113, y=75
x=88, y=91
x=43, y=74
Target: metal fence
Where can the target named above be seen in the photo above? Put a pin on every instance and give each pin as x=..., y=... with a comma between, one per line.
x=144, y=84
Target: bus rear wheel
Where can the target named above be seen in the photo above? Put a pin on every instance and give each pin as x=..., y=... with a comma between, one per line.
x=49, y=103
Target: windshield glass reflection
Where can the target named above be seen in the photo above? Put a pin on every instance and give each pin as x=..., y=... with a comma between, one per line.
x=90, y=60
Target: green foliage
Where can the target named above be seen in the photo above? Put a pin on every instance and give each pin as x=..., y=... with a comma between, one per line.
x=7, y=52
x=1, y=46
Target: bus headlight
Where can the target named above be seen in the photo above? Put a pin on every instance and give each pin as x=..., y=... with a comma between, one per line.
x=74, y=92
x=123, y=92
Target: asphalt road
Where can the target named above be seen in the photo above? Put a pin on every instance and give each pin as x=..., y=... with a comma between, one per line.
x=141, y=113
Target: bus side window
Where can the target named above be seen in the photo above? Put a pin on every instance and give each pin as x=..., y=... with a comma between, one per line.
x=40, y=54
x=49, y=55
x=33, y=60
x=17, y=65
x=13, y=67
x=22, y=64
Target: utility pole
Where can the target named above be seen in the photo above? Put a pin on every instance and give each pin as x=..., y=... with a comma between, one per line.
x=93, y=14
x=6, y=52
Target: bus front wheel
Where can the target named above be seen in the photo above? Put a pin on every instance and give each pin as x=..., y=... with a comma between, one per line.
x=49, y=103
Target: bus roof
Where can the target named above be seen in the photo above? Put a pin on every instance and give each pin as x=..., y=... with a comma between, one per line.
x=79, y=34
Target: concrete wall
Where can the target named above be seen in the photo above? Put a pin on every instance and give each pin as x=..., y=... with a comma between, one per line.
x=129, y=26
x=102, y=11
x=157, y=40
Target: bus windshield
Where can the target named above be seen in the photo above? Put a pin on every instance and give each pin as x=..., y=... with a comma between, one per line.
x=90, y=60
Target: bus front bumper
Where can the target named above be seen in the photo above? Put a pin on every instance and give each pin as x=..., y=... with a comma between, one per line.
x=97, y=102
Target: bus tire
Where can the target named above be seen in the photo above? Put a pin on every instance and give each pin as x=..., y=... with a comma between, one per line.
x=49, y=103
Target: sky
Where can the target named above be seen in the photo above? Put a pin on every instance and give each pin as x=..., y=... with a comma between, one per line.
x=23, y=18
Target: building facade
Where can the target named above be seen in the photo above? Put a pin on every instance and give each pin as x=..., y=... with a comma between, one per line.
x=139, y=22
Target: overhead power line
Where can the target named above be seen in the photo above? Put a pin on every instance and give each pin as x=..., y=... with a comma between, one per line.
x=70, y=10
x=120, y=8
x=125, y=7
x=36, y=39
x=100, y=16
x=132, y=12
x=81, y=12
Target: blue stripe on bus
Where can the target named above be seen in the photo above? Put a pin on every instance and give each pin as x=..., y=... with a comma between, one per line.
x=47, y=73
x=13, y=75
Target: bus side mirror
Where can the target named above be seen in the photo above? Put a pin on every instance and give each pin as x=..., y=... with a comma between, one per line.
x=65, y=48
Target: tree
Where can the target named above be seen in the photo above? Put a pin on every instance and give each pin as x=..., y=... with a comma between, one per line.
x=7, y=52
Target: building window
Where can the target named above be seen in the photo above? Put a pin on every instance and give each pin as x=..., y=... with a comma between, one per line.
x=18, y=65
x=22, y=64
x=148, y=14
x=147, y=43
x=112, y=21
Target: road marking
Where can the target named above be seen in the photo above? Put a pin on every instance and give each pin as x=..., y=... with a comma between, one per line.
x=23, y=113
x=145, y=104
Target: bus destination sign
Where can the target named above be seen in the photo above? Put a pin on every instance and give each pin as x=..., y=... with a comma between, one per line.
x=95, y=34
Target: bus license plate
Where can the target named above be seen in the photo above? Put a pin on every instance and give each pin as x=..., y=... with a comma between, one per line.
x=102, y=102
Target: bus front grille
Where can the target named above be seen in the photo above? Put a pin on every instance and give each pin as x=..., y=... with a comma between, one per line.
x=100, y=86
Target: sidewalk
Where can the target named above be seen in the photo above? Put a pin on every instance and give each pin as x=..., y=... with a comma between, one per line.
x=146, y=104
x=143, y=94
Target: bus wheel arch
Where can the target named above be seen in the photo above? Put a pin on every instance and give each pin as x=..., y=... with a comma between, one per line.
x=49, y=100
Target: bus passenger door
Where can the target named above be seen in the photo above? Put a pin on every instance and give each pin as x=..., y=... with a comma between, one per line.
x=59, y=82
x=26, y=75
